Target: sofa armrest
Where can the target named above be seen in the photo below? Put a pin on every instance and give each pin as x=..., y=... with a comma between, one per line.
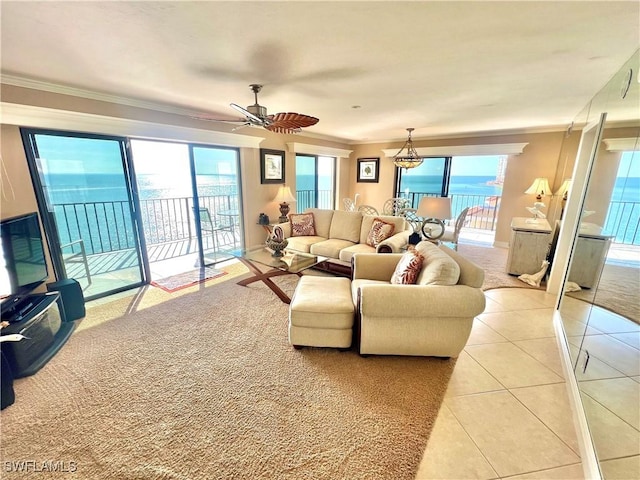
x=395, y=243
x=420, y=301
x=286, y=228
x=373, y=266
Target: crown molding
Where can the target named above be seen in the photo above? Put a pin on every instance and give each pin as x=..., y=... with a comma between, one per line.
x=40, y=117
x=297, y=147
x=622, y=144
x=91, y=95
x=465, y=150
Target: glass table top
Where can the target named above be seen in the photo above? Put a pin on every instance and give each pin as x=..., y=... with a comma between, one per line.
x=292, y=261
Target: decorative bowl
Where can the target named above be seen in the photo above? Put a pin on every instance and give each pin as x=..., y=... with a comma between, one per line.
x=277, y=247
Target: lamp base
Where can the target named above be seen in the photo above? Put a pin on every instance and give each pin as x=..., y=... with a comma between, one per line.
x=284, y=211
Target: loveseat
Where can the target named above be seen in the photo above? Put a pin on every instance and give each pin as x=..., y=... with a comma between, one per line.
x=339, y=235
x=432, y=317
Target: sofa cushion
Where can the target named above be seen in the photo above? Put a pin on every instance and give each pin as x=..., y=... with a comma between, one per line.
x=438, y=268
x=346, y=226
x=408, y=268
x=302, y=224
x=322, y=220
x=347, y=253
x=303, y=244
x=367, y=221
x=380, y=230
x=329, y=248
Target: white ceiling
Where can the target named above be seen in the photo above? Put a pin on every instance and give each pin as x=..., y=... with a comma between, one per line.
x=443, y=68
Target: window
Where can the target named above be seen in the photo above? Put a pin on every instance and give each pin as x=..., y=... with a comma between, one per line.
x=623, y=216
x=471, y=181
x=315, y=182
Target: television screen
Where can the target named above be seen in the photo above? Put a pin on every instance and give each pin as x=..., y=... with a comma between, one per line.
x=23, y=254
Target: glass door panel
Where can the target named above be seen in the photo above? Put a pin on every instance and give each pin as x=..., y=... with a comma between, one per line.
x=165, y=191
x=216, y=184
x=82, y=185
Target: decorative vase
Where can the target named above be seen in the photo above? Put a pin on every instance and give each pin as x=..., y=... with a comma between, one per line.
x=277, y=246
x=263, y=219
x=414, y=238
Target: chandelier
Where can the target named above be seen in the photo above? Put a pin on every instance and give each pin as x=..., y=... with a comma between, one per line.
x=411, y=159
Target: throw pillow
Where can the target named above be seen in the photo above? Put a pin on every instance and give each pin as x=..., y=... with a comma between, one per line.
x=380, y=230
x=302, y=224
x=408, y=268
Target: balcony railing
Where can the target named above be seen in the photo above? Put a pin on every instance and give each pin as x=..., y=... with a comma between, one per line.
x=106, y=226
x=623, y=222
x=483, y=209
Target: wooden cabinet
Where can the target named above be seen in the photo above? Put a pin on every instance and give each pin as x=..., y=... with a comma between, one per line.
x=530, y=243
x=528, y=246
x=588, y=260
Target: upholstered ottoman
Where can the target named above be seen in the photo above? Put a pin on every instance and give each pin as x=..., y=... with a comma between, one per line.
x=321, y=313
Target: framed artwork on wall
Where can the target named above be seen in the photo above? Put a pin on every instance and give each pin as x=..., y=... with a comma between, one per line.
x=271, y=166
x=368, y=170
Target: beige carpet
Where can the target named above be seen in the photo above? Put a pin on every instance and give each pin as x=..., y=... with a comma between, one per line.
x=202, y=384
x=618, y=290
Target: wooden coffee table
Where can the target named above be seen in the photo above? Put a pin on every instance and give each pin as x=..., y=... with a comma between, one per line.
x=254, y=256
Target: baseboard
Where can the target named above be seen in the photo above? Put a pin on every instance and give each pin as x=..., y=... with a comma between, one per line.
x=501, y=244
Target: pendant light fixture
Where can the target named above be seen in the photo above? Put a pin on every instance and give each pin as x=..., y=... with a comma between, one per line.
x=410, y=159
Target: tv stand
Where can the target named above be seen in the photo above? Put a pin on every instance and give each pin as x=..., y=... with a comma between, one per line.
x=37, y=317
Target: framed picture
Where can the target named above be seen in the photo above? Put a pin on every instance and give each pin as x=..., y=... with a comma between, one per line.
x=271, y=166
x=368, y=170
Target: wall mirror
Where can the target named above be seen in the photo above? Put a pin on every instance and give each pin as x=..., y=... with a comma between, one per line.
x=601, y=319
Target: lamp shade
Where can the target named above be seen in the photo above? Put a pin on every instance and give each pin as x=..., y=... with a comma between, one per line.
x=284, y=195
x=434, y=207
x=564, y=188
x=540, y=186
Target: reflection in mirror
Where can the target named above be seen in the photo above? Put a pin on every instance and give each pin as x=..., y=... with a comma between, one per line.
x=600, y=305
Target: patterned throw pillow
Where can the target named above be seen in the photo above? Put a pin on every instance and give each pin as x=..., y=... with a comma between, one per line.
x=408, y=268
x=302, y=224
x=380, y=230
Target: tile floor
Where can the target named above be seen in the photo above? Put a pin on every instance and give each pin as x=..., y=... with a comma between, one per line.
x=506, y=413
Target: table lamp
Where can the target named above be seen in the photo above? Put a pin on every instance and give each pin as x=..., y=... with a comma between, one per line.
x=283, y=197
x=434, y=210
x=539, y=188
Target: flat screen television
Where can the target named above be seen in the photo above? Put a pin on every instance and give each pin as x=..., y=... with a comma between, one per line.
x=25, y=266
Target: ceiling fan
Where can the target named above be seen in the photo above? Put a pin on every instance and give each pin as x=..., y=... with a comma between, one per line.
x=288, y=122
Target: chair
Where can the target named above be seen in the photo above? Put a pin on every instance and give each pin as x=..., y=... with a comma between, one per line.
x=394, y=206
x=451, y=233
x=434, y=317
x=209, y=226
x=77, y=257
x=349, y=205
x=368, y=210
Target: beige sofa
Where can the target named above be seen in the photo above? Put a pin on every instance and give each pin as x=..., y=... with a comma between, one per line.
x=340, y=235
x=431, y=318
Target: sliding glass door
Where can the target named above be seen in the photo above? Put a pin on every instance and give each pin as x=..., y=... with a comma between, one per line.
x=83, y=188
x=216, y=185
x=189, y=204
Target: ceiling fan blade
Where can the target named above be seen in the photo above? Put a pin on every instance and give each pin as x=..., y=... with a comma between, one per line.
x=290, y=122
x=250, y=116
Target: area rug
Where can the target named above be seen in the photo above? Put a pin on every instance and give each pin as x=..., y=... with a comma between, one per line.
x=206, y=386
x=187, y=279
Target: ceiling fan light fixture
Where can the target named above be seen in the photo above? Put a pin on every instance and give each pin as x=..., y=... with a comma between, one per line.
x=410, y=159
